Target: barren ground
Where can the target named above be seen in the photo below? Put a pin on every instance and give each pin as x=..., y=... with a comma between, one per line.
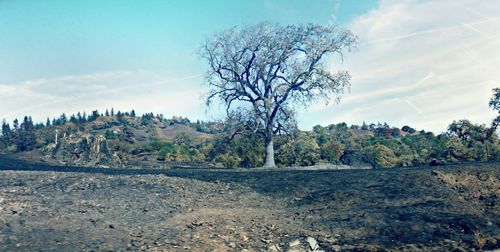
x=59, y=209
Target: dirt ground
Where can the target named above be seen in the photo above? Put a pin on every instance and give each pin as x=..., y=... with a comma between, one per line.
x=452, y=208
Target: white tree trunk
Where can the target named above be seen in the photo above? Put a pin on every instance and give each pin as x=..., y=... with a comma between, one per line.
x=269, y=154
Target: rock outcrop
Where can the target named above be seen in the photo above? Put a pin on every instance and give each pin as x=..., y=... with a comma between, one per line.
x=82, y=150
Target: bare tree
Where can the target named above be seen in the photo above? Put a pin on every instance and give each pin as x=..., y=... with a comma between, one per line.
x=268, y=69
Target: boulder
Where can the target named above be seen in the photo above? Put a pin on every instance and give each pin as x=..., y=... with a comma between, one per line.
x=436, y=162
x=313, y=244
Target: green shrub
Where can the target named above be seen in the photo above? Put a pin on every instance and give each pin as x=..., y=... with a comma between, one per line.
x=383, y=155
x=229, y=160
x=110, y=135
x=332, y=151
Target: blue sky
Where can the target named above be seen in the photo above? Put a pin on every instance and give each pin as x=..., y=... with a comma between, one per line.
x=43, y=39
x=422, y=63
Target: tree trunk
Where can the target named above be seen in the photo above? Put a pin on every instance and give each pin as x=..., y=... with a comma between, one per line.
x=269, y=153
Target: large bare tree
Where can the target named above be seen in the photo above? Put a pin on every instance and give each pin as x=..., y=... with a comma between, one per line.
x=267, y=69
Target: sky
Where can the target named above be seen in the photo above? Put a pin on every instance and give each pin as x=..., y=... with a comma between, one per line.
x=419, y=63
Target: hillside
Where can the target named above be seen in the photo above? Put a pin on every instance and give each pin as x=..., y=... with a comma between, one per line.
x=411, y=209
x=105, y=142
x=127, y=140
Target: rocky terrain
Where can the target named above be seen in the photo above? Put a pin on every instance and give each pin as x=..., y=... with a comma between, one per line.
x=48, y=208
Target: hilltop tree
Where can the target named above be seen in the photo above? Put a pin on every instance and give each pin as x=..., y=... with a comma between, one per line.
x=73, y=119
x=119, y=116
x=265, y=70
x=63, y=119
x=93, y=116
x=408, y=129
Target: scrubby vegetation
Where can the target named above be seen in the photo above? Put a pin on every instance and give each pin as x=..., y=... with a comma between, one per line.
x=157, y=140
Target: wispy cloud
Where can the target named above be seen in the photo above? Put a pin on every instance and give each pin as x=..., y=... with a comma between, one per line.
x=422, y=63
x=141, y=90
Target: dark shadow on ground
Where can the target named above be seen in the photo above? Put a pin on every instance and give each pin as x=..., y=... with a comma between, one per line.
x=388, y=208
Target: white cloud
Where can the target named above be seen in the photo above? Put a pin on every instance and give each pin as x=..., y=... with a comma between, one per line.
x=421, y=63
x=141, y=90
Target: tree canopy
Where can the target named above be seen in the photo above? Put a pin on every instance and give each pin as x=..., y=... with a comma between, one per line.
x=265, y=70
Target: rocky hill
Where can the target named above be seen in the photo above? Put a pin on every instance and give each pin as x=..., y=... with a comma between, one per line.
x=127, y=140
x=108, y=142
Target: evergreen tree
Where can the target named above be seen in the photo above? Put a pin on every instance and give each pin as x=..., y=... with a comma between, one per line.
x=39, y=126
x=93, y=116
x=63, y=119
x=132, y=113
x=27, y=139
x=364, y=126
x=16, y=125
x=112, y=112
x=15, y=132
x=79, y=117
x=119, y=116
x=6, y=132
x=106, y=113
x=47, y=124
x=30, y=134
x=73, y=119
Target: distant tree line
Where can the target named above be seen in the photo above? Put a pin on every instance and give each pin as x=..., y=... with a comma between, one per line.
x=387, y=146
x=82, y=117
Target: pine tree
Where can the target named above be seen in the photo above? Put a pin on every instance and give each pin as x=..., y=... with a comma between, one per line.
x=15, y=132
x=73, y=119
x=79, y=117
x=112, y=112
x=47, y=124
x=132, y=113
x=27, y=139
x=30, y=134
x=63, y=119
x=119, y=116
x=106, y=113
x=93, y=116
x=364, y=126
x=16, y=125
x=6, y=132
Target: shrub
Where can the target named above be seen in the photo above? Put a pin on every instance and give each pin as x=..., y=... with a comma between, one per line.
x=383, y=155
x=332, y=151
x=229, y=160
